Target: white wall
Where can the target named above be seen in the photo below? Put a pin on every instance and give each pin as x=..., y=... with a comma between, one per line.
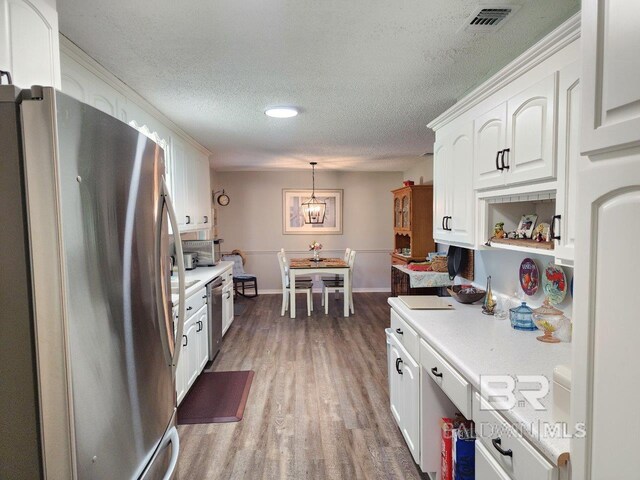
x=504, y=266
x=252, y=221
x=422, y=172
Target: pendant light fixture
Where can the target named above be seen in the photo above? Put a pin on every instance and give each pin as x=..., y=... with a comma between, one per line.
x=313, y=209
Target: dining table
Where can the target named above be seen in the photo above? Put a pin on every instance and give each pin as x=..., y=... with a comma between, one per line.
x=309, y=266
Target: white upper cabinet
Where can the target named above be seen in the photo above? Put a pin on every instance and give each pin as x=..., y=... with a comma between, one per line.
x=29, y=47
x=490, y=132
x=454, y=198
x=611, y=106
x=530, y=134
x=514, y=141
x=569, y=158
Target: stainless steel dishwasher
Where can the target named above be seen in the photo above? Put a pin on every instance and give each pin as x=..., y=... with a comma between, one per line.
x=214, y=299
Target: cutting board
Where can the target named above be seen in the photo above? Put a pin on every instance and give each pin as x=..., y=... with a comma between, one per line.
x=425, y=302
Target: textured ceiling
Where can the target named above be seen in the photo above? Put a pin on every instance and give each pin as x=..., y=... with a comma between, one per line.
x=367, y=74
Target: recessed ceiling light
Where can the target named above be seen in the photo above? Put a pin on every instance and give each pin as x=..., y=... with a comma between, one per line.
x=281, y=112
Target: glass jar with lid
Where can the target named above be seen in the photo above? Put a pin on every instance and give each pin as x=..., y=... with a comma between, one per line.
x=522, y=317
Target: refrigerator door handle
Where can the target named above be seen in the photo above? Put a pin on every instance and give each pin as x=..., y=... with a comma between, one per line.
x=165, y=200
x=172, y=438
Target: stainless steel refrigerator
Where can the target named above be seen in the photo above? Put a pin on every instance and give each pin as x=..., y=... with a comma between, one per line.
x=87, y=349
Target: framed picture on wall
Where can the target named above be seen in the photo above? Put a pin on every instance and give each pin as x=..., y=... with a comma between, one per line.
x=292, y=215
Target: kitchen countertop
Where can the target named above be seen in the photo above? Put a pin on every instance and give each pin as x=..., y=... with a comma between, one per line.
x=203, y=275
x=477, y=344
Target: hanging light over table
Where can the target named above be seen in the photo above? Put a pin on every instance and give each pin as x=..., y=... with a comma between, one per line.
x=313, y=209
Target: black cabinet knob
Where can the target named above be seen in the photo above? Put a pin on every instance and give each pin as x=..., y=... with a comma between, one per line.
x=434, y=370
x=399, y=332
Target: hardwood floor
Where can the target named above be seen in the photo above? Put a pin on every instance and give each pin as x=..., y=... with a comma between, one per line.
x=319, y=403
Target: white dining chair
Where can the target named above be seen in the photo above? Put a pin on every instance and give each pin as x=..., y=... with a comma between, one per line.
x=329, y=278
x=299, y=287
x=301, y=279
x=338, y=286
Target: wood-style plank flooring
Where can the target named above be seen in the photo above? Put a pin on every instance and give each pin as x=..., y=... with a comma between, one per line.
x=319, y=403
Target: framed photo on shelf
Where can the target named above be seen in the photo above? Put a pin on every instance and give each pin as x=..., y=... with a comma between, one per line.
x=527, y=225
x=293, y=218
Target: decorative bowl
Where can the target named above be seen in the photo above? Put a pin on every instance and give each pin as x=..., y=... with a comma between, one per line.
x=548, y=319
x=466, y=293
x=521, y=317
x=408, y=183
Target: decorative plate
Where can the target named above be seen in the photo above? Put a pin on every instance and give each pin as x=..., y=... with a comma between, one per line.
x=529, y=276
x=554, y=283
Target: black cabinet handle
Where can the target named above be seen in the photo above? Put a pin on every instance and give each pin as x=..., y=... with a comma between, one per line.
x=188, y=219
x=206, y=219
x=434, y=370
x=448, y=224
x=443, y=219
x=186, y=340
x=398, y=362
x=200, y=327
x=189, y=308
x=504, y=167
x=552, y=229
x=204, y=296
x=399, y=331
x=497, y=159
x=497, y=444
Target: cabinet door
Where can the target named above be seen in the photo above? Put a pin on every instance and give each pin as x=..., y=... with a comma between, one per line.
x=204, y=192
x=410, y=392
x=441, y=165
x=395, y=395
x=486, y=467
x=29, y=39
x=490, y=139
x=191, y=351
x=191, y=190
x=181, y=370
x=227, y=307
x=179, y=181
x=406, y=212
x=203, y=337
x=569, y=159
x=460, y=183
x=610, y=66
x=397, y=213
x=606, y=327
x=530, y=133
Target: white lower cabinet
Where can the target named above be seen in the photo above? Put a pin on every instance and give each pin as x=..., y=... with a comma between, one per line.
x=404, y=394
x=227, y=303
x=195, y=344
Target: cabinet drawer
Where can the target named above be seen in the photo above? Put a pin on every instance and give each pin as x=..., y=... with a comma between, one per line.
x=486, y=467
x=451, y=382
x=405, y=334
x=525, y=463
x=227, y=276
x=195, y=302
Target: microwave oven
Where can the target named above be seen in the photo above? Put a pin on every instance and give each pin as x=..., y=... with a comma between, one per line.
x=208, y=250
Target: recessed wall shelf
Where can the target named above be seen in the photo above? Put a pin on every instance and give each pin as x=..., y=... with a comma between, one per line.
x=525, y=245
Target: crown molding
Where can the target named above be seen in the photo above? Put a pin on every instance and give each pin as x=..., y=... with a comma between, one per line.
x=555, y=41
x=73, y=51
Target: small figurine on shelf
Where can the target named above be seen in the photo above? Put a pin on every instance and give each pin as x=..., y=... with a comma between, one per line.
x=498, y=230
x=541, y=233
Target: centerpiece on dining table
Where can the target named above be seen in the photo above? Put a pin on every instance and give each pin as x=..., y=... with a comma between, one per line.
x=315, y=247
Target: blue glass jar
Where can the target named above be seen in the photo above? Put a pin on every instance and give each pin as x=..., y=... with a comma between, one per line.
x=522, y=318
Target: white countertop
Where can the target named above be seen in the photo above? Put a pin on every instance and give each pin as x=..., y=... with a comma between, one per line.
x=203, y=275
x=477, y=344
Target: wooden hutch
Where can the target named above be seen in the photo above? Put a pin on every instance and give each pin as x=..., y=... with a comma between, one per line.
x=412, y=224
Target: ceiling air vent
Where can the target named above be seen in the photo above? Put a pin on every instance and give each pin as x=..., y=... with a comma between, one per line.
x=489, y=18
